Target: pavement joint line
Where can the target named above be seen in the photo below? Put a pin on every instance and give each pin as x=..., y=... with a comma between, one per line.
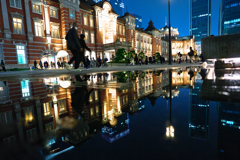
x=60, y=72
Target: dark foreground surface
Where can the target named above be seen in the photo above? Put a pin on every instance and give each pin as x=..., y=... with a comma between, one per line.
x=185, y=113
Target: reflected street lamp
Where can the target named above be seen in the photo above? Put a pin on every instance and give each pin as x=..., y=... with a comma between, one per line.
x=170, y=45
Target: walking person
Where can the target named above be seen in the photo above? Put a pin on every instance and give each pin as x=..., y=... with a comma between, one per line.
x=74, y=45
x=178, y=57
x=35, y=64
x=146, y=60
x=40, y=64
x=191, y=54
x=58, y=64
x=99, y=62
x=84, y=46
x=3, y=66
x=105, y=61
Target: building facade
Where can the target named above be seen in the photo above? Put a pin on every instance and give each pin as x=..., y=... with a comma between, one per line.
x=229, y=16
x=200, y=18
x=36, y=30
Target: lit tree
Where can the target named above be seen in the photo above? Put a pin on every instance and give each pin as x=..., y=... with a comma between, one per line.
x=120, y=55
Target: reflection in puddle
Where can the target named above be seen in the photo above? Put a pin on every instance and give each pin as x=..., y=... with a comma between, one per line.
x=57, y=114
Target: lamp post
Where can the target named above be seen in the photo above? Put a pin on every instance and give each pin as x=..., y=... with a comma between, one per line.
x=170, y=128
x=170, y=45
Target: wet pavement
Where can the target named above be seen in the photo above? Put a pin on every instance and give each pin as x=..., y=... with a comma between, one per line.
x=178, y=113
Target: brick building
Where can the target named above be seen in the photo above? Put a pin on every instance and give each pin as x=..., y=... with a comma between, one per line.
x=36, y=29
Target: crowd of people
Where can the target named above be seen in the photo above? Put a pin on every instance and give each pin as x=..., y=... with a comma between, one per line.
x=78, y=46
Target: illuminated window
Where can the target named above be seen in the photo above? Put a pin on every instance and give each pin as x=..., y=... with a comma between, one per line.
x=143, y=83
x=15, y=3
x=54, y=12
x=71, y=13
x=123, y=30
x=132, y=32
x=91, y=21
x=86, y=133
x=90, y=97
x=9, y=141
x=92, y=112
x=49, y=126
x=121, y=39
x=120, y=28
x=17, y=26
x=92, y=37
x=124, y=100
x=25, y=88
x=55, y=31
x=97, y=110
x=6, y=117
x=127, y=99
x=47, y=108
x=62, y=105
x=96, y=95
x=86, y=37
x=31, y=133
x=21, y=54
x=133, y=43
x=38, y=29
x=28, y=112
x=135, y=96
x=85, y=19
x=36, y=8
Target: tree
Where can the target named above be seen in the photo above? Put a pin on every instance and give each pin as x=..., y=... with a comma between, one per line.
x=130, y=53
x=120, y=55
x=157, y=55
x=142, y=55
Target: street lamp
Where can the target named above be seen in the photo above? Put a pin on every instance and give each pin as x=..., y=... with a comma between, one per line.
x=170, y=45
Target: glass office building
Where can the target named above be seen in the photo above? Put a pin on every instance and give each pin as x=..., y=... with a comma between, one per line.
x=138, y=20
x=200, y=18
x=229, y=17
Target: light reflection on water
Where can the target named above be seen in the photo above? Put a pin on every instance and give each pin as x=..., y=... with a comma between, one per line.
x=140, y=108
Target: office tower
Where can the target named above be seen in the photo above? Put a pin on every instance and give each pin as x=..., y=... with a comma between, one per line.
x=198, y=114
x=229, y=16
x=200, y=18
x=138, y=20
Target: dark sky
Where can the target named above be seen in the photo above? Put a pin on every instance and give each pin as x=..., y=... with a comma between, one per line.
x=158, y=9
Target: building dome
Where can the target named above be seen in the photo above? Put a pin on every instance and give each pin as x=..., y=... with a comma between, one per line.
x=165, y=32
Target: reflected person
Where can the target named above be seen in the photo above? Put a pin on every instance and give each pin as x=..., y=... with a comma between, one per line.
x=80, y=96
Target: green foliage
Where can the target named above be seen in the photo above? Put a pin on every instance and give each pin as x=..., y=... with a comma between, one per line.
x=157, y=55
x=122, y=77
x=142, y=55
x=120, y=55
x=130, y=53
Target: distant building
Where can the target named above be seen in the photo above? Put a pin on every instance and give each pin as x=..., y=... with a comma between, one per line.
x=229, y=16
x=138, y=20
x=200, y=18
x=165, y=32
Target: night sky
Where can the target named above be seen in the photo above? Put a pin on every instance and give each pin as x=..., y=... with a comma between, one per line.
x=158, y=9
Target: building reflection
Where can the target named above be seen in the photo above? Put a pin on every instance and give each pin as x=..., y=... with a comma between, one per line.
x=198, y=114
x=77, y=107
x=223, y=86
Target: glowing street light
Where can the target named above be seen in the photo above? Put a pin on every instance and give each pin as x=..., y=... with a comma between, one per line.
x=170, y=131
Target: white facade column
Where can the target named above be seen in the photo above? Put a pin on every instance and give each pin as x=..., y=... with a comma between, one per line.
x=7, y=31
x=19, y=119
x=55, y=106
x=39, y=115
x=28, y=20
